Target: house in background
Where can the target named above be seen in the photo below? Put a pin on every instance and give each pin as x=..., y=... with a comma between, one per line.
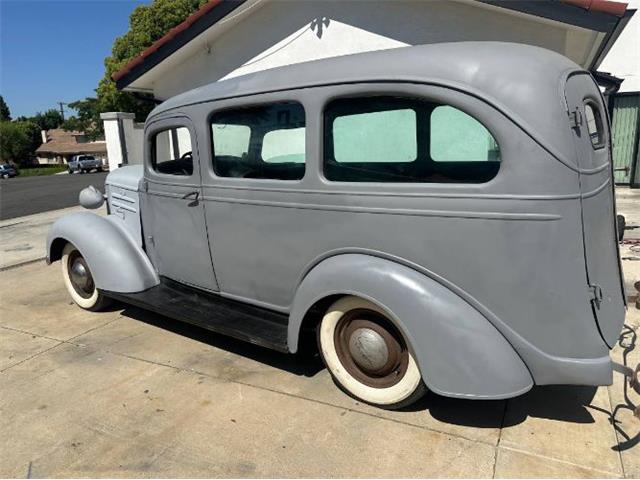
x=58, y=146
x=623, y=61
x=228, y=38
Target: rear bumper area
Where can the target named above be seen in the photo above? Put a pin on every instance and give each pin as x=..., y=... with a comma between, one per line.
x=573, y=371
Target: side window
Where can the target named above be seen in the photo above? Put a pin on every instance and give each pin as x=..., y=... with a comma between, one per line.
x=399, y=140
x=594, y=125
x=171, y=152
x=458, y=137
x=266, y=141
x=231, y=140
x=383, y=136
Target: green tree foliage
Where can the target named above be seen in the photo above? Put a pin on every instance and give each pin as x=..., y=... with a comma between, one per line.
x=5, y=113
x=52, y=118
x=147, y=24
x=18, y=141
x=87, y=119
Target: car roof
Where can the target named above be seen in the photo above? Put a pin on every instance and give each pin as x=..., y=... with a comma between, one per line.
x=524, y=82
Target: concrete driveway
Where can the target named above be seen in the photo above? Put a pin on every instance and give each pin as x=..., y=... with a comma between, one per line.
x=129, y=394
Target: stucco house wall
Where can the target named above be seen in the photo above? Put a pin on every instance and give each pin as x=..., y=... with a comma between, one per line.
x=271, y=34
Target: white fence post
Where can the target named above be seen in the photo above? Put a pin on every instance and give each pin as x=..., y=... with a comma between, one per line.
x=124, y=139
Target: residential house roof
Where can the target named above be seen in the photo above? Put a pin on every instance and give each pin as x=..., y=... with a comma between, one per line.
x=60, y=141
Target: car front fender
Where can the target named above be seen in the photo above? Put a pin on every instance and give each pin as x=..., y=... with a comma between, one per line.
x=459, y=352
x=116, y=262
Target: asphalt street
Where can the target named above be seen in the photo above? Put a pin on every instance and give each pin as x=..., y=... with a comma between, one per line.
x=28, y=195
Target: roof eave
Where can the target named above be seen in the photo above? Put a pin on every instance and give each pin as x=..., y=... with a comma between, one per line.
x=176, y=38
x=611, y=38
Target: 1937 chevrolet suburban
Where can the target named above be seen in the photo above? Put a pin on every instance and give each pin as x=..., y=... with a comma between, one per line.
x=442, y=216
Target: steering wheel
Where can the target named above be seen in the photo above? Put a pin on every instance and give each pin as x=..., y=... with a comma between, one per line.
x=183, y=158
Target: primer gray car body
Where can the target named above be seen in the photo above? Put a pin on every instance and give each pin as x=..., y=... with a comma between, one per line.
x=497, y=285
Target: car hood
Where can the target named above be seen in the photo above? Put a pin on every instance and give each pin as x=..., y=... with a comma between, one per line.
x=126, y=177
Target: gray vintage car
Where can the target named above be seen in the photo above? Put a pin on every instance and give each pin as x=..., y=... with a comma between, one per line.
x=437, y=217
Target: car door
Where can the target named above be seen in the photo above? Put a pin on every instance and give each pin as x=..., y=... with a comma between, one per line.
x=591, y=136
x=173, y=219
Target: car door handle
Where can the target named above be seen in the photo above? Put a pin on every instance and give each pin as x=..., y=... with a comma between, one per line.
x=195, y=194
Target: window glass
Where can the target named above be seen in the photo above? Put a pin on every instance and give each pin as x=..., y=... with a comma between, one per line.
x=594, y=125
x=388, y=136
x=458, y=137
x=172, y=152
x=395, y=139
x=284, y=146
x=232, y=140
x=266, y=141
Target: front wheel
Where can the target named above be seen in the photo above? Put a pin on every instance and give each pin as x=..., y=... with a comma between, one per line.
x=367, y=355
x=79, y=281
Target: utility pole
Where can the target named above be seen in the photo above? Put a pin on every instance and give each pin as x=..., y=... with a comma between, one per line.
x=62, y=109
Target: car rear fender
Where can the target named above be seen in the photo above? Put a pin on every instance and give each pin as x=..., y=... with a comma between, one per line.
x=459, y=352
x=116, y=261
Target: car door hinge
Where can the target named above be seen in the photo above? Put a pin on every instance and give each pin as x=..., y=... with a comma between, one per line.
x=145, y=186
x=575, y=118
x=596, y=295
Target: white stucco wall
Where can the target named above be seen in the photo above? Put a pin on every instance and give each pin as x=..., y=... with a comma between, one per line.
x=623, y=60
x=134, y=135
x=114, y=153
x=275, y=33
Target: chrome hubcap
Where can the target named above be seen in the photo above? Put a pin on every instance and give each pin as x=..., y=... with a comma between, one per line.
x=79, y=274
x=368, y=349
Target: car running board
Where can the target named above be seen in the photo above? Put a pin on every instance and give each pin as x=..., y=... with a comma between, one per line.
x=207, y=310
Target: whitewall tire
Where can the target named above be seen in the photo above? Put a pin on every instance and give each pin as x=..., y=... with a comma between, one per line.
x=367, y=355
x=79, y=281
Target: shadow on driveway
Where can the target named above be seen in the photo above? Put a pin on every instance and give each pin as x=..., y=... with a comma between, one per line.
x=566, y=403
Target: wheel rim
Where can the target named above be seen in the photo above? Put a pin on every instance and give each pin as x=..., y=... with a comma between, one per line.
x=80, y=275
x=370, y=348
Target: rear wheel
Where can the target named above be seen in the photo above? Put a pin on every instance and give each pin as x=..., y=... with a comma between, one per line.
x=367, y=355
x=79, y=281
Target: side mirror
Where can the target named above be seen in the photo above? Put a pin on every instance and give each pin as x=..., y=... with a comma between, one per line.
x=91, y=198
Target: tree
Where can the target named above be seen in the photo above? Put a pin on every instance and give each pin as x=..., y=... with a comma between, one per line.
x=18, y=141
x=5, y=113
x=147, y=24
x=87, y=119
x=48, y=120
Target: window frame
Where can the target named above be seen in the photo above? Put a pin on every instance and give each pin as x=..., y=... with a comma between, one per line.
x=600, y=125
x=243, y=104
x=160, y=125
x=422, y=127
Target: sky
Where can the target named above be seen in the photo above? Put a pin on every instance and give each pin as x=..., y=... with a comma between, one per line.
x=53, y=50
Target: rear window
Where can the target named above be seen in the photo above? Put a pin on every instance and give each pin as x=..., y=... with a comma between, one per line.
x=594, y=125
